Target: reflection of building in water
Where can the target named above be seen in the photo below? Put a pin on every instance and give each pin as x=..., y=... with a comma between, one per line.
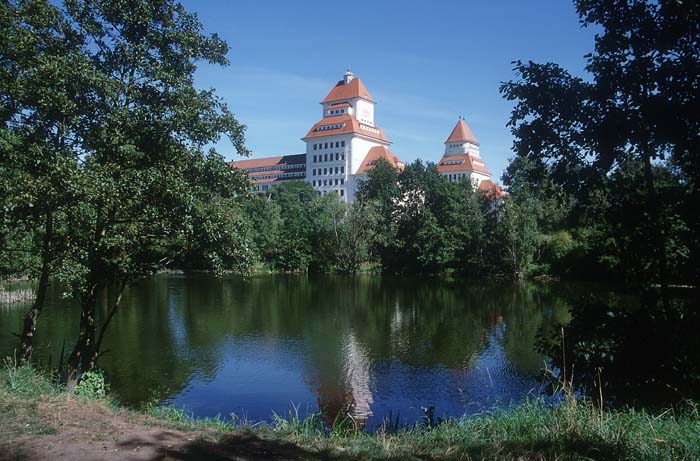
x=350, y=394
x=357, y=367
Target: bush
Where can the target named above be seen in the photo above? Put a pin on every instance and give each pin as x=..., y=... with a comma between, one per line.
x=646, y=354
x=92, y=385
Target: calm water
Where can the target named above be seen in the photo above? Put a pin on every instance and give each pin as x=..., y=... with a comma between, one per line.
x=368, y=345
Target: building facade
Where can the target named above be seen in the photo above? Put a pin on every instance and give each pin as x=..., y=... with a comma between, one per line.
x=345, y=143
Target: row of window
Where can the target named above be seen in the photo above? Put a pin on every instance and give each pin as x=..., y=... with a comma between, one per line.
x=276, y=167
x=328, y=182
x=324, y=171
x=453, y=162
x=295, y=174
x=334, y=126
x=327, y=158
x=457, y=145
x=457, y=176
x=336, y=111
x=325, y=145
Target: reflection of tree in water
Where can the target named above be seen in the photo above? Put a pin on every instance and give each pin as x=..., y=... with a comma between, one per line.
x=173, y=328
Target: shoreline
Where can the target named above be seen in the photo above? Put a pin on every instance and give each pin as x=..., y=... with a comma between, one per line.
x=39, y=420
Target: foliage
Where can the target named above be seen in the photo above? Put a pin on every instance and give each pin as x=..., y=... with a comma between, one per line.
x=92, y=385
x=634, y=109
x=103, y=150
x=25, y=381
x=642, y=353
x=616, y=151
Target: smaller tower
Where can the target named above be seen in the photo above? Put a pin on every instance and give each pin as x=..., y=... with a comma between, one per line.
x=462, y=159
x=462, y=140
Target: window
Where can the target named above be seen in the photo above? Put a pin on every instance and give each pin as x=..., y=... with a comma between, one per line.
x=342, y=143
x=315, y=146
x=342, y=192
x=314, y=172
x=342, y=156
x=314, y=183
x=336, y=182
x=337, y=155
x=326, y=146
x=337, y=144
x=325, y=157
x=342, y=170
x=342, y=181
x=336, y=170
x=314, y=159
x=325, y=171
x=325, y=182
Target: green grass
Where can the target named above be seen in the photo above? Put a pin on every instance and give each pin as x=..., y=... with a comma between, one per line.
x=532, y=430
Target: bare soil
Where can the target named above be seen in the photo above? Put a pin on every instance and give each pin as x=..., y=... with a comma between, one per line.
x=70, y=428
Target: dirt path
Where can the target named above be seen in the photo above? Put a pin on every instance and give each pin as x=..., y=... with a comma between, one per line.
x=67, y=428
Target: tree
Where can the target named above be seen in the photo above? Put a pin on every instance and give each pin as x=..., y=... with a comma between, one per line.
x=353, y=235
x=122, y=133
x=381, y=189
x=512, y=236
x=45, y=96
x=293, y=250
x=640, y=104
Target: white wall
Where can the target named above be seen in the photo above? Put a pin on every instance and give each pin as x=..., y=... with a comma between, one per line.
x=461, y=148
x=331, y=164
x=365, y=112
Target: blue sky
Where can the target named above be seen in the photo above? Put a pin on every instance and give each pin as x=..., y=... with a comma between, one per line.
x=425, y=63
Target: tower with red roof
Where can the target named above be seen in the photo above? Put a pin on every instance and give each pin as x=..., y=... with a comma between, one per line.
x=345, y=143
x=462, y=159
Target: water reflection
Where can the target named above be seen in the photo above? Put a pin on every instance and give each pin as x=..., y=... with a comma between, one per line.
x=365, y=345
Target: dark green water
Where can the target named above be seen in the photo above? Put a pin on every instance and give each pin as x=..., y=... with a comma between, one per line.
x=368, y=345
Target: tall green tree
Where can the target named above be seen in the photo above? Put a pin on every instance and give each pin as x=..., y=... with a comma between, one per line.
x=639, y=103
x=45, y=96
x=146, y=172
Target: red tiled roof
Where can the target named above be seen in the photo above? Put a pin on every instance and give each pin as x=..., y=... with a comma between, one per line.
x=278, y=160
x=335, y=105
x=375, y=154
x=462, y=133
x=467, y=163
x=348, y=124
x=491, y=189
x=354, y=89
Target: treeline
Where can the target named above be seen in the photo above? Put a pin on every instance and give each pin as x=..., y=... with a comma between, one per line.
x=411, y=221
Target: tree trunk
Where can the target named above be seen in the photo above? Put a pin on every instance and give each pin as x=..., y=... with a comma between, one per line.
x=82, y=358
x=26, y=342
x=659, y=236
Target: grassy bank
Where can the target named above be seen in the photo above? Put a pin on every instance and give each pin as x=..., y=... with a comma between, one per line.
x=34, y=414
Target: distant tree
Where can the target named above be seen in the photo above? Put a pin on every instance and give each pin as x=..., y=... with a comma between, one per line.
x=512, y=236
x=265, y=218
x=296, y=200
x=354, y=237
x=381, y=189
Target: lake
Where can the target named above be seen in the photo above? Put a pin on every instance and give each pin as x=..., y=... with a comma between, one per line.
x=370, y=346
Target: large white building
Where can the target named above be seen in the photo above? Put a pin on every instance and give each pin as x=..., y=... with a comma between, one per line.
x=346, y=143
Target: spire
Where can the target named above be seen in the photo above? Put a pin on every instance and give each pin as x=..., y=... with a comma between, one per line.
x=348, y=76
x=462, y=133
